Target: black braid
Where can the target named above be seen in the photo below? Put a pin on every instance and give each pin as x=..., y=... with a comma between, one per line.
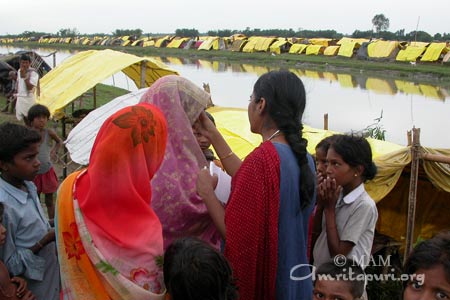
x=286, y=99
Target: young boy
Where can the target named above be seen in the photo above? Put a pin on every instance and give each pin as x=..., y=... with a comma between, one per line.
x=46, y=180
x=345, y=282
x=11, y=288
x=29, y=249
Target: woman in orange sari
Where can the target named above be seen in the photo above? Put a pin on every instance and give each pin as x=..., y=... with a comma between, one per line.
x=109, y=239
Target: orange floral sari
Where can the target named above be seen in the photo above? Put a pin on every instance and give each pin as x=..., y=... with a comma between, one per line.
x=109, y=239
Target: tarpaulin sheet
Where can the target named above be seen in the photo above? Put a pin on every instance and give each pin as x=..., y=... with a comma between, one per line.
x=84, y=70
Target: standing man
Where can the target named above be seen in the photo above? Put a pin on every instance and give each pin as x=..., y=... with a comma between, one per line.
x=27, y=82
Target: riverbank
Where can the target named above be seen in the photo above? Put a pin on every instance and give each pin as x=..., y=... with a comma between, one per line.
x=431, y=73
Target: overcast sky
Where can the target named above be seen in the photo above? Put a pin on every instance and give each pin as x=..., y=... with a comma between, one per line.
x=165, y=16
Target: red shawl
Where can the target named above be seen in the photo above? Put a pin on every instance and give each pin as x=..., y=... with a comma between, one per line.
x=251, y=220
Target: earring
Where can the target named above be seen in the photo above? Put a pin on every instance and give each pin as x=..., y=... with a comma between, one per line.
x=356, y=175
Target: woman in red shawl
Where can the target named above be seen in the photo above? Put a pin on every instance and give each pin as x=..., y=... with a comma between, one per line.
x=265, y=222
x=109, y=239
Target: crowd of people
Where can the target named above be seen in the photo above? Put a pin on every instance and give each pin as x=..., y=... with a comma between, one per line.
x=143, y=221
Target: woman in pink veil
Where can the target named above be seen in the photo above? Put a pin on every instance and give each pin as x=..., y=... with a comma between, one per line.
x=174, y=199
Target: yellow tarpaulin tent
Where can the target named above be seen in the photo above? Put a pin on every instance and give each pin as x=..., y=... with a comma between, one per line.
x=346, y=49
x=84, y=70
x=297, y=48
x=434, y=51
x=411, y=53
x=380, y=49
x=331, y=50
x=314, y=49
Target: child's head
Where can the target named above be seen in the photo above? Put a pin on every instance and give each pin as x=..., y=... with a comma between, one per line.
x=429, y=264
x=202, y=141
x=19, y=148
x=2, y=227
x=193, y=270
x=321, y=155
x=332, y=281
x=38, y=116
x=350, y=160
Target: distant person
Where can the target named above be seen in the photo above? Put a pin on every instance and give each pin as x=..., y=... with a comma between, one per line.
x=14, y=288
x=30, y=249
x=344, y=281
x=193, y=270
x=429, y=268
x=46, y=180
x=11, y=94
x=27, y=83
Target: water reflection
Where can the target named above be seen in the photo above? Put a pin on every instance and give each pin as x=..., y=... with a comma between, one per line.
x=351, y=101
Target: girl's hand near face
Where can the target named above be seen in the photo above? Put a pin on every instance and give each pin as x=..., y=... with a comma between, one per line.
x=329, y=193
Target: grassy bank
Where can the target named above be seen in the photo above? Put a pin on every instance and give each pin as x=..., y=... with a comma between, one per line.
x=433, y=73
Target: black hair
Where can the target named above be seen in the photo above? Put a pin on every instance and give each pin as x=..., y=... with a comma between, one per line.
x=38, y=110
x=210, y=117
x=285, y=101
x=14, y=139
x=355, y=150
x=350, y=272
x=325, y=143
x=25, y=57
x=2, y=209
x=193, y=270
x=430, y=253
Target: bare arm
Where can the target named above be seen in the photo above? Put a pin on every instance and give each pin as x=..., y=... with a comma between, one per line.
x=205, y=189
x=57, y=145
x=230, y=161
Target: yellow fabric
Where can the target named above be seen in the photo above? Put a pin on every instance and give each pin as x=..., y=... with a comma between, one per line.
x=408, y=87
x=346, y=80
x=380, y=86
x=314, y=49
x=250, y=46
x=431, y=91
x=84, y=70
x=346, y=49
x=312, y=74
x=345, y=40
x=176, y=43
x=434, y=51
x=438, y=173
x=331, y=50
x=208, y=43
x=275, y=47
x=320, y=41
x=330, y=76
x=411, y=53
x=297, y=48
x=379, y=49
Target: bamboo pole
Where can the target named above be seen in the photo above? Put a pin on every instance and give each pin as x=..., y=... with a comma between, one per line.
x=325, y=121
x=412, y=197
x=435, y=157
x=94, y=90
x=143, y=71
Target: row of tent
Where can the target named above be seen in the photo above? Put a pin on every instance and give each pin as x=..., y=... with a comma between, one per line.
x=362, y=81
x=345, y=47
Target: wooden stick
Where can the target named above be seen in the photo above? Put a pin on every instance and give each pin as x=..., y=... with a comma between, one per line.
x=412, y=197
x=325, y=121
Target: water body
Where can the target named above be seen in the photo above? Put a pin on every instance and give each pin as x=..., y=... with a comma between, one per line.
x=352, y=103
